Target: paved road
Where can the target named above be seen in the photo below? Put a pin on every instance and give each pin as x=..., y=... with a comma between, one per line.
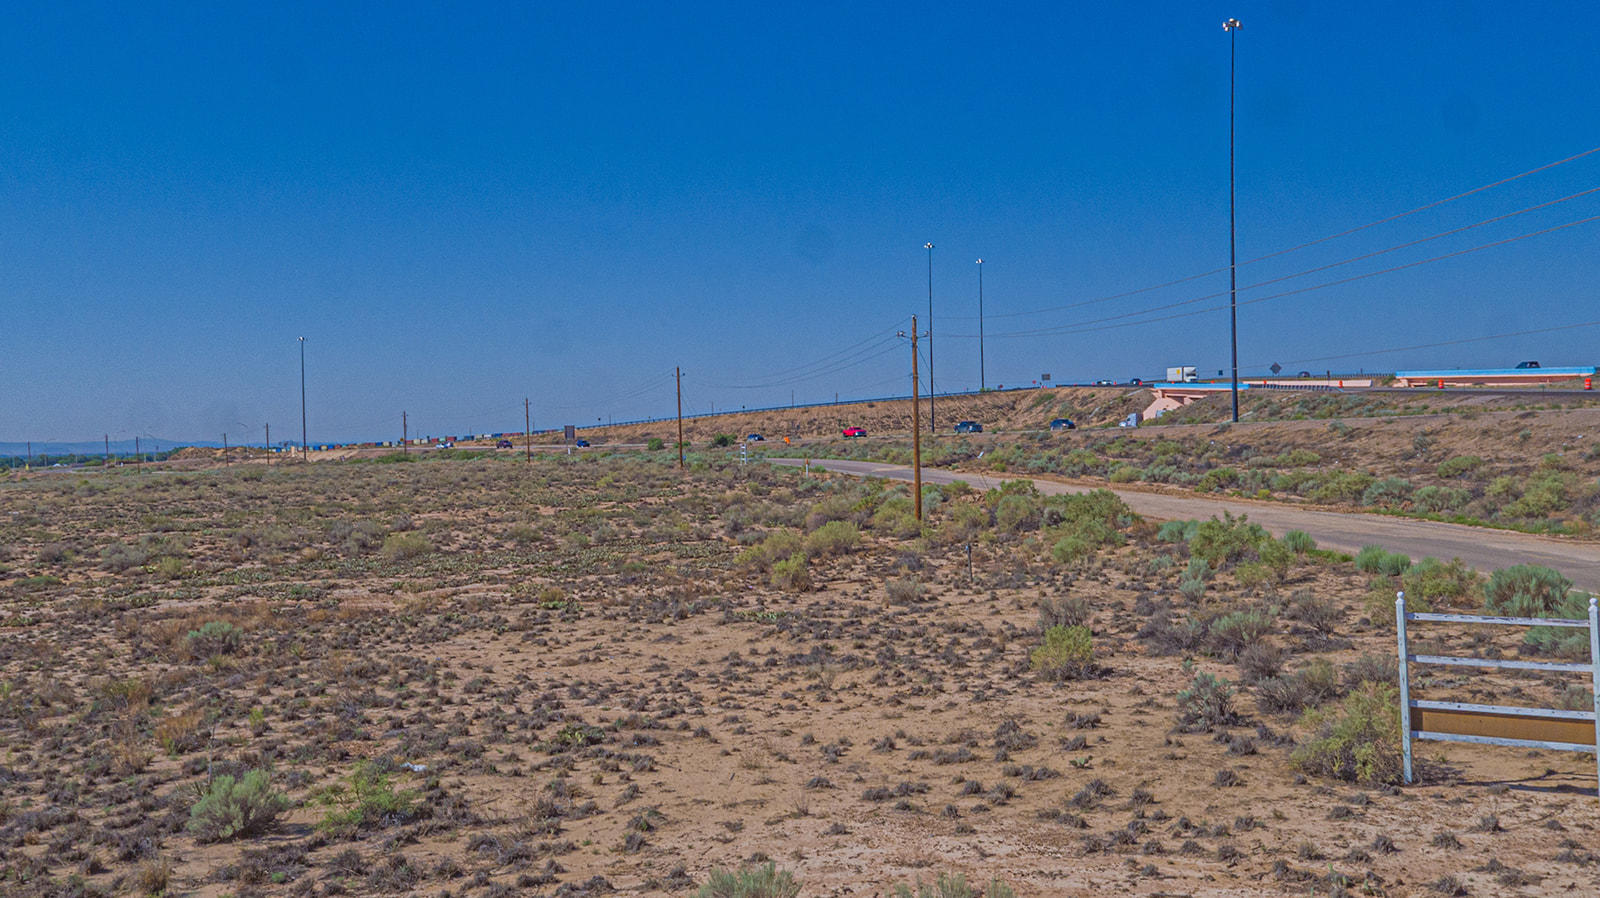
x=1482, y=548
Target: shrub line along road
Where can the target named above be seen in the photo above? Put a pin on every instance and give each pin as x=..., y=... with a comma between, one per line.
x=1484, y=548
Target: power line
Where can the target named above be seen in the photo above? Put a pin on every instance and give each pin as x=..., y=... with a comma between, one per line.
x=1308, y=244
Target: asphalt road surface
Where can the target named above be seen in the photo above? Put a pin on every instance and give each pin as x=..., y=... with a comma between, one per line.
x=1483, y=548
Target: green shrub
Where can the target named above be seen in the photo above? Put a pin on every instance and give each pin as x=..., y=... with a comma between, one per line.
x=832, y=538
x=403, y=546
x=1229, y=539
x=368, y=801
x=1388, y=491
x=1205, y=705
x=1277, y=556
x=1068, y=549
x=1525, y=590
x=232, y=808
x=1306, y=688
x=1230, y=634
x=777, y=545
x=1440, y=499
x=655, y=444
x=1359, y=743
x=1299, y=542
x=1217, y=479
x=1565, y=642
x=723, y=440
x=1017, y=513
x=1344, y=487
x=216, y=637
x=1192, y=588
x=1378, y=560
x=1067, y=653
x=760, y=882
x=791, y=575
x=947, y=886
x=1124, y=473
x=1458, y=465
x=904, y=591
x=1436, y=582
x=1177, y=531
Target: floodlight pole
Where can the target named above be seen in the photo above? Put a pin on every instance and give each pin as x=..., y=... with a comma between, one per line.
x=982, y=383
x=304, y=449
x=929, y=247
x=916, y=426
x=1231, y=26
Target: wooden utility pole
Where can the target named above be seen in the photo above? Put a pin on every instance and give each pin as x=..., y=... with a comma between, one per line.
x=269, y=443
x=527, y=427
x=138, y=459
x=677, y=374
x=916, y=430
x=405, y=435
x=225, y=459
x=108, y=453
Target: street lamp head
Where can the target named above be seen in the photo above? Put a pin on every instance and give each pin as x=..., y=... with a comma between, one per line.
x=301, y=339
x=980, y=261
x=1230, y=25
x=927, y=246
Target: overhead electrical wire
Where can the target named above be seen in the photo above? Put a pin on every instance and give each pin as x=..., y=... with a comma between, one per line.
x=1296, y=248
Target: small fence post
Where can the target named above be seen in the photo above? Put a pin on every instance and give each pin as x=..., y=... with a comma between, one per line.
x=1405, y=681
x=1594, y=659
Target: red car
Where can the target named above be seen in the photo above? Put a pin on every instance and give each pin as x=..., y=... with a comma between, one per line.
x=854, y=432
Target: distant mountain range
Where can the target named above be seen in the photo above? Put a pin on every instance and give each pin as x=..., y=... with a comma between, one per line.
x=118, y=447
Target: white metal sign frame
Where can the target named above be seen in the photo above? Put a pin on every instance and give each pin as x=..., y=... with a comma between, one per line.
x=1407, y=734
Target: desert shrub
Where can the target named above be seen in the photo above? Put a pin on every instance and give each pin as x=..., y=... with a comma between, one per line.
x=1231, y=633
x=1342, y=487
x=369, y=800
x=1566, y=642
x=1378, y=603
x=1177, y=531
x=404, y=546
x=1191, y=587
x=1253, y=574
x=1068, y=549
x=1436, y=582
x=766, y=881
x=357, y=538
x=1067, y=653
x=1308, y=687
x=1277, y=556
x=1440, y=499
x=1319, y=613
x=1359, y=742
x=1205, y=705
x=1218, y=542
x=655, y=444
x=1066, y=611
x=216, y=637
x=947, y=886
x=232, y=808
x=778, y=545
x=1542, y=497
x=1124, y=473
x=1525, y=590
x=832, y=538
x=1458, y=465
x=723, y=440
x=791, y=575
x=119, y=557
x=904, y=591
x=182, y=732
x=1017, y=512
x=1299, y=542
x=1259, y=662
x=1371, y=669
x=1388, y=491
x=1378, y=560
x=1217, y=479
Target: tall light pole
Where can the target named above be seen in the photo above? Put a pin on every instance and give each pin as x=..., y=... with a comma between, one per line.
x=982, y=384
x=304, y=450
x=1231, y=26
x=929, y=248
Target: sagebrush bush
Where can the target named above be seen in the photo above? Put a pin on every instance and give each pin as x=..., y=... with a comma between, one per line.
x=1299, y=542
x=369, y=800
x=1438, y=583
x=1312, y=685
x=1067, y=653
x=947, y=886
x=216, y=637
x=1228, y=539
x=904, y=590
x=1565, y=642
x=1319, y=613
x=1359, y=742
x=1378, y=560
x=1231, y=633
x=791, y=574
x=655, y=444
x=832, y=538
x=1460, y=464
x=1177, y=531
x=1065, y=611
x=1525, y=590
x=404, y=546
x=232, y=808
x=1206, y=705
x=766, y=881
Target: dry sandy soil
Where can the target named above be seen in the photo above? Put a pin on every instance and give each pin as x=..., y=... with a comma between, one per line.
x=587, y=676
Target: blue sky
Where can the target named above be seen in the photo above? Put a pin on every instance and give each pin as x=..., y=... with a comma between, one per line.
x=462, y=207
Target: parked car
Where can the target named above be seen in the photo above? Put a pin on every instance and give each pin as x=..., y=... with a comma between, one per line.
x=1304, y=374
x=854, y=432
x=755, y=438
x=503, y=444
x=969, y=427
x=1103, y=382
x=1063, y=424
x=1527, y=364
x=581, y=444
x=1135, y=382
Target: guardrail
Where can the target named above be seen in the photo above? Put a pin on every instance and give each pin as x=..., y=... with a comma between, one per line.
x=1509, y=725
